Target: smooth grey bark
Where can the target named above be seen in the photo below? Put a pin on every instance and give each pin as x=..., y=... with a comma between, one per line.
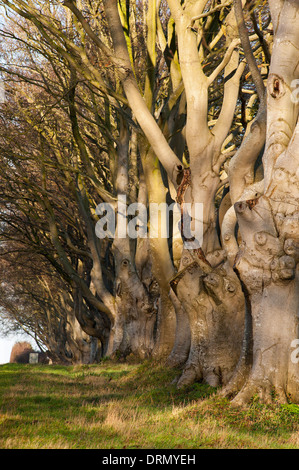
x=213, y=300
x=135, y=296
x=181, y=347
x=267, y=260
x=205, y=285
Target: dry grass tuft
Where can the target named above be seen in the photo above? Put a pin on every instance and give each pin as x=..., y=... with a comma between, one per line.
x=115, y=406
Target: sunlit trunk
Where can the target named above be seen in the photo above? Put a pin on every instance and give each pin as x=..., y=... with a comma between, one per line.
x=267, y=261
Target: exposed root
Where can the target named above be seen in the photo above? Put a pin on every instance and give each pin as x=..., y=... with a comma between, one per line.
x=265, y=392
x=176, y=360
x=189, y=376
x=236, y=382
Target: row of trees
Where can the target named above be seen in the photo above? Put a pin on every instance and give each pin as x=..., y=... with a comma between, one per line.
x=154, y=102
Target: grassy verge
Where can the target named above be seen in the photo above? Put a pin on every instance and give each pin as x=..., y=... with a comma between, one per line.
x=117, y=406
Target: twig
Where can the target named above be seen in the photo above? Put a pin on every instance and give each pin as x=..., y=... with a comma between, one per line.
x=245, y=41
x=210, y=12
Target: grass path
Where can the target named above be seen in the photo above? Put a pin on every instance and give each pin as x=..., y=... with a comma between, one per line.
x=117, y=406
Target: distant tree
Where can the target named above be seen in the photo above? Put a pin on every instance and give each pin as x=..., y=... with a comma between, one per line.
x=20, y=352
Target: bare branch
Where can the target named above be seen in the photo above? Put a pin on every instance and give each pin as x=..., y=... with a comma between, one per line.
x=256, y=76
x=210, y=12
x=225, y=61
x=145, y=119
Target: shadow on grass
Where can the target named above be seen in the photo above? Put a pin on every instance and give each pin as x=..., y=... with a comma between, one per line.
x=96, y=405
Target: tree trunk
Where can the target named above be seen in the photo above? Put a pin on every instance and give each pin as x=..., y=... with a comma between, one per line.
x=181, y=348
x=267, y=262
x=136, y=303
x=136, y=314
x=82, y=346
x=214, y=302
x=268, y=267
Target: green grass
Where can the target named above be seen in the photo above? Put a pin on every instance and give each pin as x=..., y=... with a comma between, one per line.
x=116, y=406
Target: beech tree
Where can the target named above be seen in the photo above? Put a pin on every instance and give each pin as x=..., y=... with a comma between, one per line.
x=187, y=102
x=35, y=205
x=267, y=259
